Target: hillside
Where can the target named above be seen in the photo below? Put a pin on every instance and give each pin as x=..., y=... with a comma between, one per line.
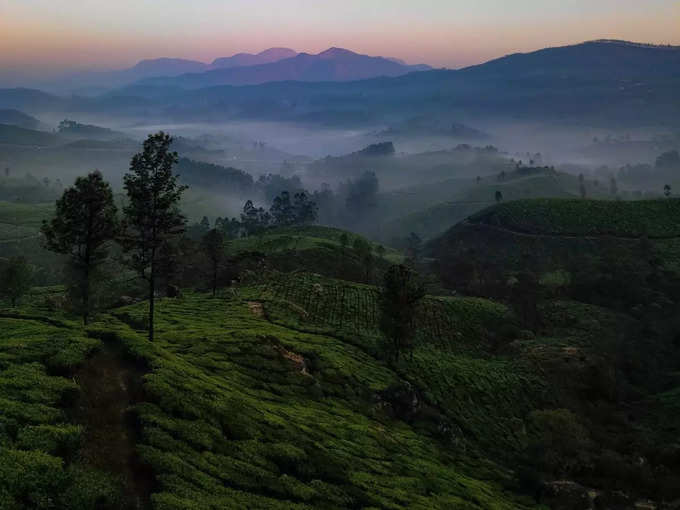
x=274, y=394
x=17, y=118
x=15, y=135
x=314, y=248
x=654, y=219
x=466, y=198
x=634, y=240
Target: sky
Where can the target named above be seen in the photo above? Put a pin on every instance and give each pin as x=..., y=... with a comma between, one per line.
x=41, y=36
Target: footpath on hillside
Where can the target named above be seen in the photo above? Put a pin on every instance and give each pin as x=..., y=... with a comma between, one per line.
x=110, y=385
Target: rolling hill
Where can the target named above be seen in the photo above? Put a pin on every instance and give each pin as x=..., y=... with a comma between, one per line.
x=19, y=119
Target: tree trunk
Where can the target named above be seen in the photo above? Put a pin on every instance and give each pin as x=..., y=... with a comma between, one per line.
x=86, y=293
x=214, y=280
x=152, y=296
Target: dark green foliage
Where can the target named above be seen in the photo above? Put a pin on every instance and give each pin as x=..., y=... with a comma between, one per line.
x=670, y=159
x=212, y=245
x=254, y=220
x=214, y=177
x=83, y=227
x=558, y=442
x=399, y=297
x=152, y=217
x=39, y=466
x=361, y=194
x=244, y=412
x=16, y=278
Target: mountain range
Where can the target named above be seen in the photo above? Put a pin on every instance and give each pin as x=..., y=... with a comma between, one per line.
x=334, y=64
x=599, y=81
x=273, y=64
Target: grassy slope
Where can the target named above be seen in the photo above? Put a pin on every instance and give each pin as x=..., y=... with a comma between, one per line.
x=22, y=220
x=434, y=220
x=39, y=441
x=238, y=419
x=653, y=218
x=270, y=397
x=557, y=233
x=315, y=248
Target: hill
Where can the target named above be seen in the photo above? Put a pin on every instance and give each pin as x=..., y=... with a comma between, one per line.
x=334, y=64
x=629, y=242
x=274, y=394
x=317, y=247
x=30, y=100
x=599, y=83
x=470, y=196
x=19, y=119
x=249, y=59
x=14, y=135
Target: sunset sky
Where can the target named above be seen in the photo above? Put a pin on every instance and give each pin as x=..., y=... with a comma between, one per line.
x=37, y=36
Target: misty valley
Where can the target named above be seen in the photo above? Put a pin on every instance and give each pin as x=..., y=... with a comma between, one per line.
x=337, y=281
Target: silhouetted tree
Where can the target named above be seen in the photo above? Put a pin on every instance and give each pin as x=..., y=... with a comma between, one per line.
x=581, y=186
x=229, y=227
x=304, y=209
x=83, y=227
x=212, y=245
x=254, y=219
x=414, y=247
x=282, y=211
x=16, y=278
x=613, y=187
x=399, y=297
x=152, y=216
x=362, y=194
x=670, y=159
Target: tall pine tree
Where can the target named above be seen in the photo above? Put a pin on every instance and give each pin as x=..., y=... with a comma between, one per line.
x=152, y=217
x=83, y=227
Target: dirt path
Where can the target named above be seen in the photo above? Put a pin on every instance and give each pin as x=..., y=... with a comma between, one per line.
x=110, y=384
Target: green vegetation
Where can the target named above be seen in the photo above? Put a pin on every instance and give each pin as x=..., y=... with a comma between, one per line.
x=244, y=411
x=39, y=443
x=651, y=218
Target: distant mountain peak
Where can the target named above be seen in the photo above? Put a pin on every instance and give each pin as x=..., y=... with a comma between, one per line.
x=278, y=52
x=250, y=59
x=335, y=52
x=621, y=42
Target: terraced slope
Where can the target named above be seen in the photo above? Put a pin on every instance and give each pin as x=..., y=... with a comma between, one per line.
x=40, y=465
x=247, y=411
x=587, y=218
x=563, y=234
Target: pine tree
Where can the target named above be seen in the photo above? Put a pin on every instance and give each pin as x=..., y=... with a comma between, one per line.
x=83, y=227
x=152, y=216
x=401, y=292
x=212, y=245
x=15, y=279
